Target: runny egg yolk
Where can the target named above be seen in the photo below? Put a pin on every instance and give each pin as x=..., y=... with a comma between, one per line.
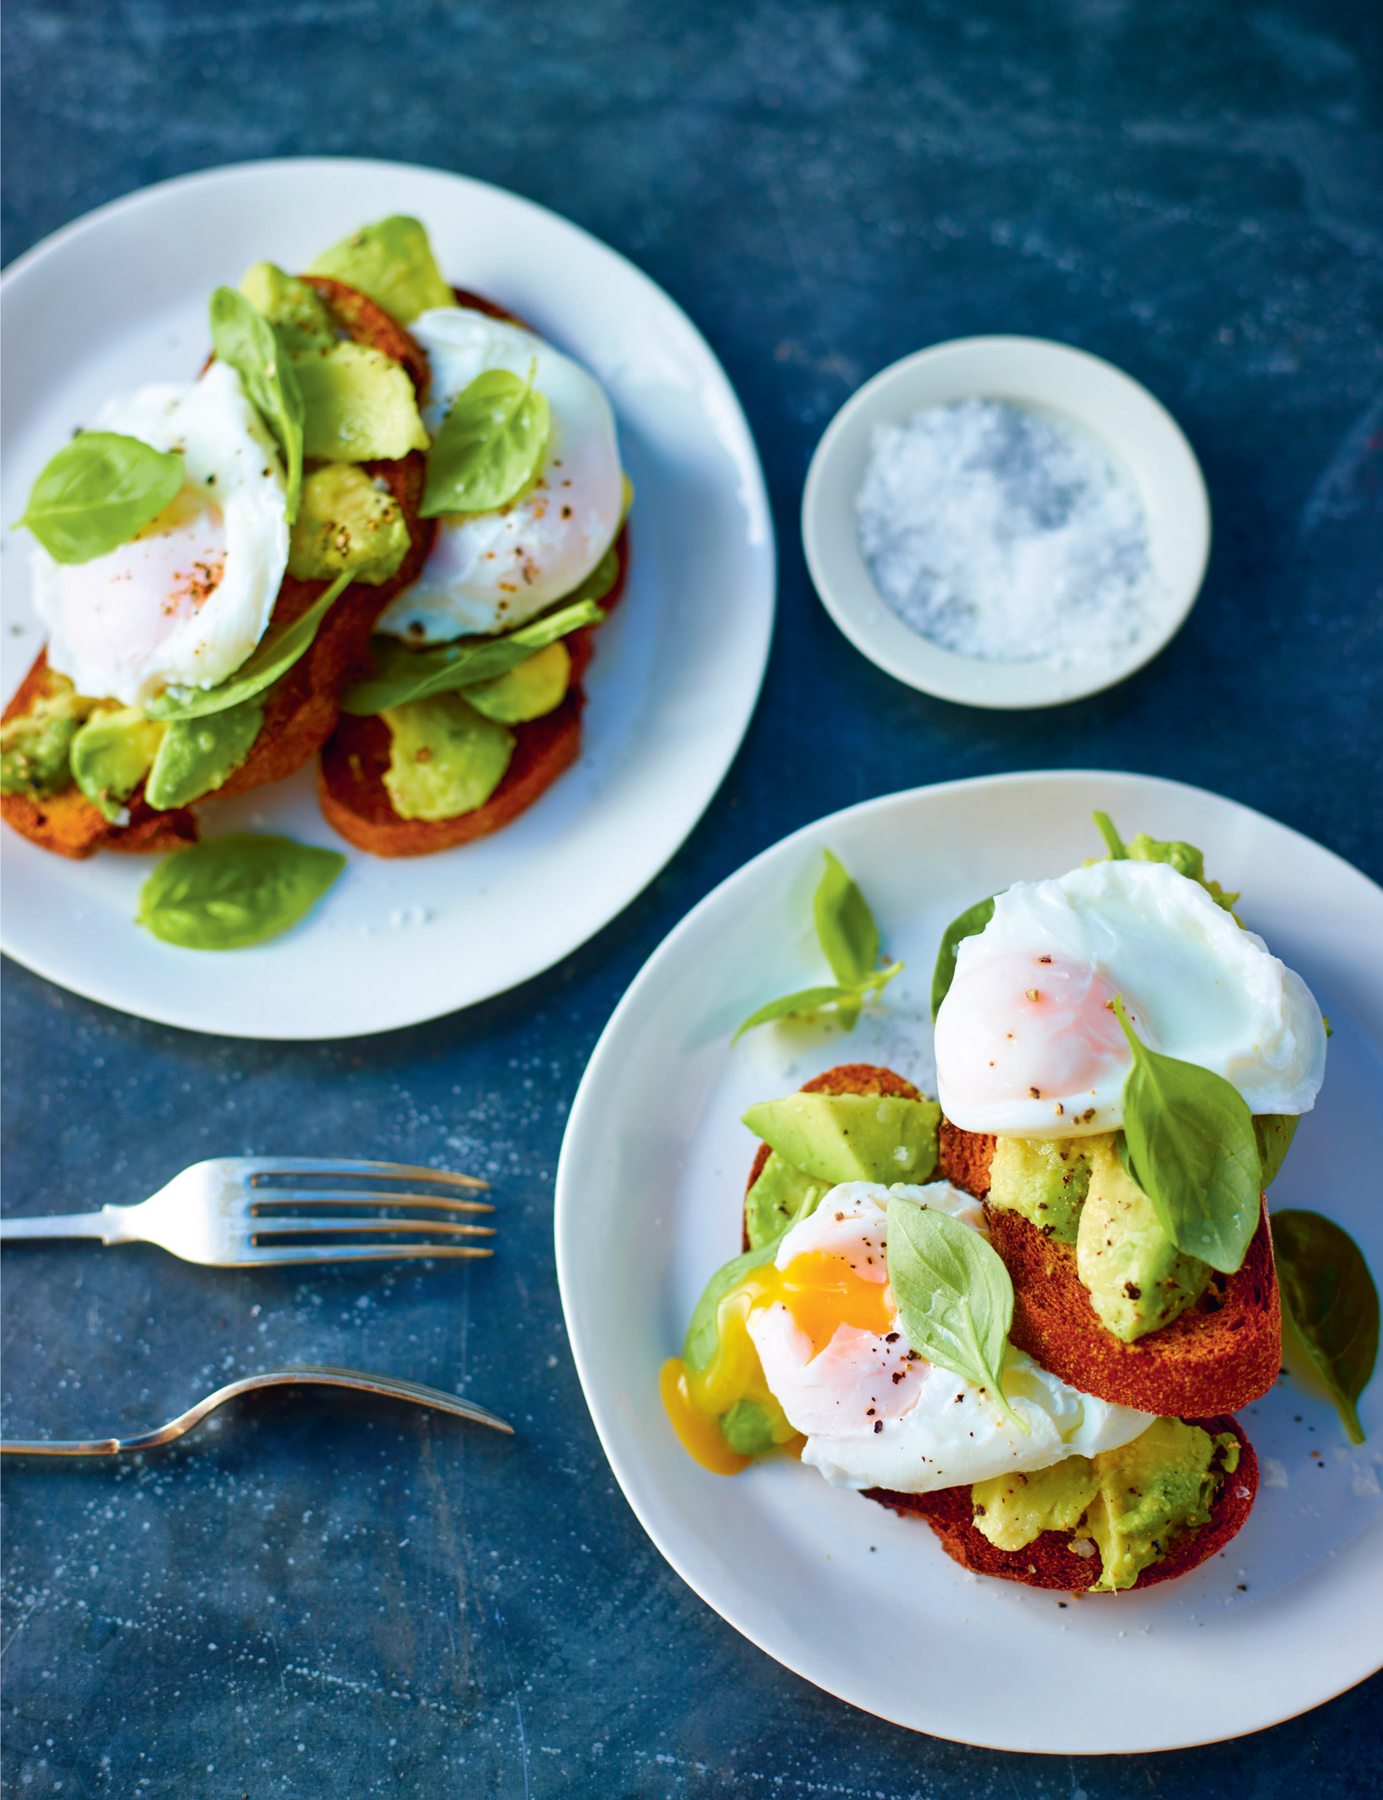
x=822, y=1292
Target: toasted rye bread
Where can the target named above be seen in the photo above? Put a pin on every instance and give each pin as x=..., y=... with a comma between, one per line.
x=356, y=803
x=1050, y=1562
x=845, y=1078
x=301, y=709
x=1220, y=1354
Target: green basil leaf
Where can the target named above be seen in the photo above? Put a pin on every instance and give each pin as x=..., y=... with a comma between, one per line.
x=98, y=492
x=1274, y=1132
x=702, y=1337
x=806, y=1000
x=490, y=446
x=970, y=923
x=1193, y=1151
x=1113, y=842
x=402, y=674
x=845, y=925
x=232, y=891
x=953, y=1294
x=244, y=339
x=272, y=657
x=195, y=756
x=1331, y=1299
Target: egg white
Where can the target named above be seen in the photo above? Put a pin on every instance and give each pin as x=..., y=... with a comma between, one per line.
x=489, y=572
x=126, y=625
x=874, y=1418
x=1026, y=1043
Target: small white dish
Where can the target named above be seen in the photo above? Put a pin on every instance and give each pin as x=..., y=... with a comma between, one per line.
x=119, y=299
x=1142, y=441
x=862, y=1602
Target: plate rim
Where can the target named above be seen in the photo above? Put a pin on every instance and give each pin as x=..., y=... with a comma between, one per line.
x=567, y=1217
x=752, y=487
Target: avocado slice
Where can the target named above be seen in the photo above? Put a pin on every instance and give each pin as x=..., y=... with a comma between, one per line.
x=1137, y=1279
x=293, y=308
x=111, y=755
x=358, y=404
x=445, y=758
x=851, y=1137
x=1044, y=1179
x=392, y=263
x=775, y=1199
x=35, y=749
x=531, y=688
x=347, y=522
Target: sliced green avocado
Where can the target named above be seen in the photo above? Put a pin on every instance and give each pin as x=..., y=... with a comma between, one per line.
x=35, y=749
x=111, y=755
x=531, y=688
x=346, y=521
x=445, y=758
x=1137, y=1279
x=358, y=404
x=290, y=306
x=392, y=263
x=1132, y=1503
x=775, y=1198
x=1044, y=1179
x=197, y=755
x=851, y=1137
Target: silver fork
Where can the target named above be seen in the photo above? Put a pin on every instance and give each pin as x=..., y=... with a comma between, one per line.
x=220, y=1211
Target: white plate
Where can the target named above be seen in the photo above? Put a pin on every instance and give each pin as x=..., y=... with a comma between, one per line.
x=1139, y=436
x=859, y=1600
x=119, y=299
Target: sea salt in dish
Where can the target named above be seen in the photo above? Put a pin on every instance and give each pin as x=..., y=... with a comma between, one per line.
x=998, y=534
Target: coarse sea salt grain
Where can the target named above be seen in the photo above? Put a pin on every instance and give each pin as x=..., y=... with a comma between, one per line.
x=1000, y=535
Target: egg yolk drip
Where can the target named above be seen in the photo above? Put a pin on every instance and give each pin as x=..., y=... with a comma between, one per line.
x=822, y=1292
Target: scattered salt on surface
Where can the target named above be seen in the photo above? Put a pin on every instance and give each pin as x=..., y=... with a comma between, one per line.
x=1002, y=536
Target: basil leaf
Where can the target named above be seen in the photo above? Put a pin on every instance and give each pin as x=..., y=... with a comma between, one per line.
x=807, y=1000
x=243, y=338
x=195, y=756
x=490, y=446
x=845, y=925
x=1274, y=1132
x=970, y=923
x=1192, y=1150
x=232, y=891
x=271, y=658
x=1331, y=1299
x=1113, y=842
x=699, y=1348
x=402, y=674
x=953, y=1294
x=98, y=492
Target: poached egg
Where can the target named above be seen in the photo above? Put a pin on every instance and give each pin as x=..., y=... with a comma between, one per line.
x=489, y=572
x=189, y=598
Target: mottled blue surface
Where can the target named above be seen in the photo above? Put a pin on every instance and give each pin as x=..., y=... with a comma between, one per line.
x=319, y=1601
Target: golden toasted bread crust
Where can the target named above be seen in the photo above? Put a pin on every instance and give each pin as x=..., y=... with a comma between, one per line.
x=301, y=710
x=1221, y=1353
x=1049, y=1561
x=845, y=1078
x=356, y=803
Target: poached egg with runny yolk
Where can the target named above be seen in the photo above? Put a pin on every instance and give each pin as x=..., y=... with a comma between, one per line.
x=490, y=571
x=189, y=598
x=1027, y=1042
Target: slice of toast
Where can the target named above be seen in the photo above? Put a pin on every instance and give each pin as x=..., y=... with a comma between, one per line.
x=356, y=803
x=1050, y=1562
x=301, y=709
x=845, y=1078
x=1220, y=1354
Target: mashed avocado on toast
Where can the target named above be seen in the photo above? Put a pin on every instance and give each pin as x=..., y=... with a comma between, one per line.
x=1132, y=1503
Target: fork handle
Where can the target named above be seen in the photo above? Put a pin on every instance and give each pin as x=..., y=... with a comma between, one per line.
x=101, y=1225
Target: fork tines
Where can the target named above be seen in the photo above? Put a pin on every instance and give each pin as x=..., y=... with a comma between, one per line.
x=271, y=1220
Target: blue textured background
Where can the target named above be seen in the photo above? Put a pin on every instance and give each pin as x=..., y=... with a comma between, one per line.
x=323, y=1601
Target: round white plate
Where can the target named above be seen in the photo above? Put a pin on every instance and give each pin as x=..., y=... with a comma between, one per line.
x=857, y=1599
x=119, y=299
x=1137, y=434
